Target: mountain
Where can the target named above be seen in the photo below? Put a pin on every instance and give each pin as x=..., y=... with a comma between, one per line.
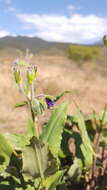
x=34, y=44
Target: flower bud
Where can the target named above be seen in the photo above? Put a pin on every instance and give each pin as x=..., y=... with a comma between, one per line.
x=36, y=106
x=17, y=76
x=31, y=74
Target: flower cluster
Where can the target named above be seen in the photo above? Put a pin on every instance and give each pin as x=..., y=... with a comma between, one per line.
x=25, y=78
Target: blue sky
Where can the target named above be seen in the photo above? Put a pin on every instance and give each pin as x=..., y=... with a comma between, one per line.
x=81, y=21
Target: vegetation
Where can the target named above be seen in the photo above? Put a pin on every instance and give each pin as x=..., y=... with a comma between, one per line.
x=69, y=152
x=105, y=40
x=83, y=53
x=34, y=44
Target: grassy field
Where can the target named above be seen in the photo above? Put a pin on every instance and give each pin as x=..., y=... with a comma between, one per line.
x=87, y=83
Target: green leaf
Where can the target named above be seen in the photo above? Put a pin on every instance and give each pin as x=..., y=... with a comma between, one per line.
x=75, y=171
x=37, y=159
x=102, y=116
x=6, y=151
x=5, y=147
x=30, y=188
x=18, y=141
x=37, y=183
x=83, y=151
x=91, y=130
x=103, y=143
x=54, y=180
x=21, y=104
x=52, y=132
x=104, y=132
x=86, y=145
x=30, y=132
x=60, y=95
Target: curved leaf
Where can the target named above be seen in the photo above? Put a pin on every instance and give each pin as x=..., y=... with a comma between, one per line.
x=86, y=145
x=37, y=159
x=18, y=141
x=52, y=132
x=5, y=153
x=61, y=95
x=21, y=104
x=75, y=171
x=54, y=180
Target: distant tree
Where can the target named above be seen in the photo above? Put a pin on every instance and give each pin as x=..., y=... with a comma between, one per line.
x=105, y=40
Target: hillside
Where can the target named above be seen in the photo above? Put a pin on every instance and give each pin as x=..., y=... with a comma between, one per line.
x=34, y=44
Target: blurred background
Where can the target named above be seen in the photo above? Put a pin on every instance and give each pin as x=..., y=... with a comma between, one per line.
x=68, y=42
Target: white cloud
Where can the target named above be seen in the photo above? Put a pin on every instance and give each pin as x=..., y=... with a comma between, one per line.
x=75, y=28
x=4, y=33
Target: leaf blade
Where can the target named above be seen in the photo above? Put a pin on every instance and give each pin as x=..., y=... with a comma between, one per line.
x=54, y=128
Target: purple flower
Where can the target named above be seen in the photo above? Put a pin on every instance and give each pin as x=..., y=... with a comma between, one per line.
x=50, y=103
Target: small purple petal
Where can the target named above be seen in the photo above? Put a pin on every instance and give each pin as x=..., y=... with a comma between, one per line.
x=50, y=103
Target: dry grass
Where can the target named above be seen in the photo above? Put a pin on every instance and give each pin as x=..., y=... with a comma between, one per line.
x=55, y=74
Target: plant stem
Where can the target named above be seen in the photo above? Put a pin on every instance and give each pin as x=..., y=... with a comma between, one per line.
x=34, y=118
x=37, y=133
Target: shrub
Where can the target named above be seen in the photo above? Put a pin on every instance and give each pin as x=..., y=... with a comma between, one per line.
x=105, y=40
x=83, y=53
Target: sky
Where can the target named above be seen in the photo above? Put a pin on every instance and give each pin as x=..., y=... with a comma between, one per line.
x=77, y=21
